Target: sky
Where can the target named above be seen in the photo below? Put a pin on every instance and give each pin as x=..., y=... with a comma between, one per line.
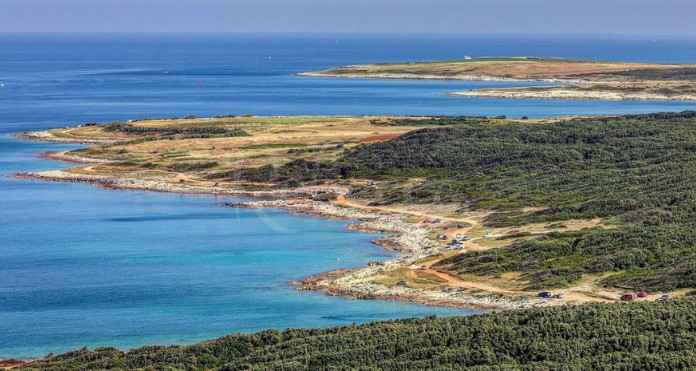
x=646, y=17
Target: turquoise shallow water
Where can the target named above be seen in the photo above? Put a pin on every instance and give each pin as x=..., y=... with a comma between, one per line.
x=87, y=266
x=82, y=266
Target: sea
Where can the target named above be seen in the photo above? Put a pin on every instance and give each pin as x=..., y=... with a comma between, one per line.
x=83, y=266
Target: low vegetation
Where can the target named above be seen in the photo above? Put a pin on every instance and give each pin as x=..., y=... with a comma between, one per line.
x=524, y=68
x=440, y=121
x=170, y=130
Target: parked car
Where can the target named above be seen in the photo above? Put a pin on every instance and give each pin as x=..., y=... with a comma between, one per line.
x=629, y=297
x=545, y=295
x=643, y=294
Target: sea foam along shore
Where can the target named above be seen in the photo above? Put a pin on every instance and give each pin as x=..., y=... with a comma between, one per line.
x=408, y=239
x=563, y=93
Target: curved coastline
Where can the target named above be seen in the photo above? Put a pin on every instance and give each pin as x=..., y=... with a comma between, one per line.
x=409, y=239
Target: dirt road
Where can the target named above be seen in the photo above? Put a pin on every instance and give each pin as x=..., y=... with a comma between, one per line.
x=574, y=294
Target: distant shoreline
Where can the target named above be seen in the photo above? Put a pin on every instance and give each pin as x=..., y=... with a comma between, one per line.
x=559, y=93
x=581, y=79
x=410, y=76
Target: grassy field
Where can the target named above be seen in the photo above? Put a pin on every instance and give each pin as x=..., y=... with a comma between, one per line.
x=526, y=68
x=201, y=147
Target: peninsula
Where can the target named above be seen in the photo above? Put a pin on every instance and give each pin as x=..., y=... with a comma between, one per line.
x=487, y=212
x=580, y=79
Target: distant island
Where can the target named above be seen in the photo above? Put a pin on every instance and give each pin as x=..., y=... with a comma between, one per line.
x=582, y=79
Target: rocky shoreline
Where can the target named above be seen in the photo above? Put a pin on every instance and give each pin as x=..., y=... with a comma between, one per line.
x=569, y=94
x=513, y=93
x=161, y=185
x=413, y=76
x=406, y=238
x=410, y=240
x=47, y=136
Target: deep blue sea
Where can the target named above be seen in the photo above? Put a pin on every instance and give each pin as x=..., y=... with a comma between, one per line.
x=82, y=266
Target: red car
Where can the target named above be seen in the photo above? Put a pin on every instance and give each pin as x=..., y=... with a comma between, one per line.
x=628, y=297
x=642, y=294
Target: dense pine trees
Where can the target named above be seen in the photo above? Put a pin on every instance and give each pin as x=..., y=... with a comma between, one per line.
x=636, y=336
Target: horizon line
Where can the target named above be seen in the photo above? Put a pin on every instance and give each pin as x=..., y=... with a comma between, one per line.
x=341, y=33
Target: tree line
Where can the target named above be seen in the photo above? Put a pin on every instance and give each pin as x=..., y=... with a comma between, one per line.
x=635, y=336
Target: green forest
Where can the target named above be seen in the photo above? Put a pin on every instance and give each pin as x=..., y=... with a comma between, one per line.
x=638, y=172
x=204, y=131
x=633, y=336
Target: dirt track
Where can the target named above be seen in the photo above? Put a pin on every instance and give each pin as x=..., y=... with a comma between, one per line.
x=574, y=294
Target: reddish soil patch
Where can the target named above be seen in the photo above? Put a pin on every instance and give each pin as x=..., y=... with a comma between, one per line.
x=8, y=364
x=381, y=137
